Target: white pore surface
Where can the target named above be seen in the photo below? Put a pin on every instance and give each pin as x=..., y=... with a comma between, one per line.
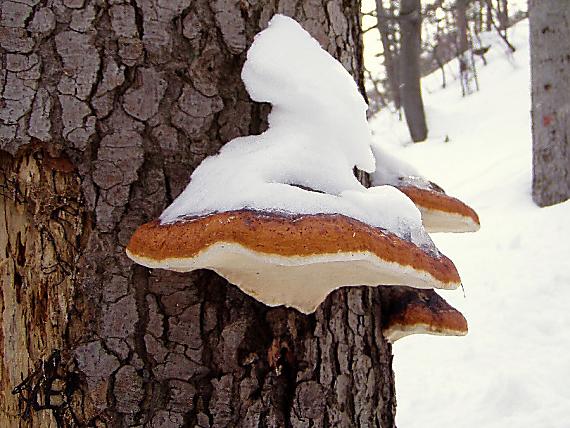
x=513, y=368
x=301, y=282
x=318, y=132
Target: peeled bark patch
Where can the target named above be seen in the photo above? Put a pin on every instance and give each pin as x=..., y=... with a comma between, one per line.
x=41, y=225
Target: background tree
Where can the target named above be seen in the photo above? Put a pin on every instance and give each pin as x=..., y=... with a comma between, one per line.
x=467, y=70
x=106, y=109
x=450, y=29
x=438, y=41
x=503, y=15
x=410, y=48
x=388, y=30
x=501, y=11
x=488, y=15
x=462, y=27
x=550, y=76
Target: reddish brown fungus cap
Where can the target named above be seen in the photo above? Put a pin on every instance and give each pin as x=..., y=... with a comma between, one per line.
x=290, y=260
x=441, y=212
x=407, y=311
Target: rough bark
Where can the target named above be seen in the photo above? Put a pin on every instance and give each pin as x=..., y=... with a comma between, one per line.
x=106, y=109
x=550, y=71
x=410, y=50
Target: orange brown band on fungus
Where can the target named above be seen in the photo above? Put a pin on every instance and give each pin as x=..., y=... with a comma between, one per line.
x=407, y=311
x=438, y=201
x=284, y=235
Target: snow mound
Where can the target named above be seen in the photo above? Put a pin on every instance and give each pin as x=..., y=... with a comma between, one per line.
x=304, y=162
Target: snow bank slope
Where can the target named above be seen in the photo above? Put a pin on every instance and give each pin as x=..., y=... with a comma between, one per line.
x=513, y=368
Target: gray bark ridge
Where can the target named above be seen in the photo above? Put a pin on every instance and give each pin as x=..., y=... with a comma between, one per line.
x=106, y=108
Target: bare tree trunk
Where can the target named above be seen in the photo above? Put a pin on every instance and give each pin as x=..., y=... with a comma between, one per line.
x=463, y=46
x=477, y=17
x=503, y=23
x=503, y=15
x=489, y=15
x=390, y=53
x=105, y=111
x=440, y=64
x=550, y=71
x=461, y=20
x=410, y=49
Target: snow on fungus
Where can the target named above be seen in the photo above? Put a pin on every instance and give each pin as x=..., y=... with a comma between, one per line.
x=440, y=212
x=281, y=215
x=407, y=311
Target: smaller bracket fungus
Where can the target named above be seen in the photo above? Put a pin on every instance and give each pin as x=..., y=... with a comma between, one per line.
x=267, y=213
x=440, y=212
x=407, y=311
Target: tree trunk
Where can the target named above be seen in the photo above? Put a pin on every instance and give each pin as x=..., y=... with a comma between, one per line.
x=550, y=71
x=440, y=64
x=105, y=111
x=489, y=15
x=506, y=20
x=390, y=53
x=503, y=15
x=465, y=69
x=410, y=49
x=461, y=20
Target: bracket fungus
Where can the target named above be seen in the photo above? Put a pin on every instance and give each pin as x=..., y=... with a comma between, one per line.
x=407, y=311
x=292, y=260
x=267, y=213
x=440, y=212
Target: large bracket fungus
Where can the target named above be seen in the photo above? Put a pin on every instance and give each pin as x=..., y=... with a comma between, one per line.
x=292, y=260
x=281, y=214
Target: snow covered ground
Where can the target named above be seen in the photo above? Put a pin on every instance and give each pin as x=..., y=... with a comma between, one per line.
x=513, y=368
